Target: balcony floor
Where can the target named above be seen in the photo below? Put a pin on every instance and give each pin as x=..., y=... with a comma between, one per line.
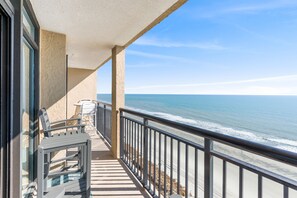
x=110, y=177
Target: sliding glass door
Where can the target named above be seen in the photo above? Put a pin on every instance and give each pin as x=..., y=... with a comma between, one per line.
x=19, y=96
x=29, y=95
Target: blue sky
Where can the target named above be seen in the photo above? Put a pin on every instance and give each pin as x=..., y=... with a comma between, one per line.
x=215, y=47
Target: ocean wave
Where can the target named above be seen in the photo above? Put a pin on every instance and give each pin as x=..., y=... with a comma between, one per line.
x=281, y=143
x=284, y=144
x=285, y=141
x=167, y=116
x=175, y=118
x=287, y=148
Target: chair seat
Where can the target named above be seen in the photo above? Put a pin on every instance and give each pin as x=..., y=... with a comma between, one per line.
x=72, y=188
x=64, y=141
x=69, y=189
x=56, y=192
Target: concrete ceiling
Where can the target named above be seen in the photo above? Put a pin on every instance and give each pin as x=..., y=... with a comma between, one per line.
x=94, y=27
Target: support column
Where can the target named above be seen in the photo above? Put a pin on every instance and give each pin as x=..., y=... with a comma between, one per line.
x=118, y=96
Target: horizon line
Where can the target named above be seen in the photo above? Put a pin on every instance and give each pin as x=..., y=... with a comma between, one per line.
x=205, y=94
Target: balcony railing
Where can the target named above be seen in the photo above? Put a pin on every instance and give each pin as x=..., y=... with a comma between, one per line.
x=104, y=120
x=173, y=158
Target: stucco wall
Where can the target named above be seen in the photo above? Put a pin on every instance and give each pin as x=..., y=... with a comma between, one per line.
x=81, y=85
x=81, y=82
x=53, y=74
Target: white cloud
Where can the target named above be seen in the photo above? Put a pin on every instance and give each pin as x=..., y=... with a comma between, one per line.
x=142, y=65
x=158, y=56
x=262, y=36
x=271, y=5
x=277, y=78
x=144, y=41
x=251, y=8
x=277, y=85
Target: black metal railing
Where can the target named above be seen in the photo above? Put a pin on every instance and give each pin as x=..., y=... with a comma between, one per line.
x=165, y=156
x=104, y=120
x=168, y=158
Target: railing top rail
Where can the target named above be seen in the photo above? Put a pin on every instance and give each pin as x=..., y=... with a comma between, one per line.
x=256, y=148
x=104, y=103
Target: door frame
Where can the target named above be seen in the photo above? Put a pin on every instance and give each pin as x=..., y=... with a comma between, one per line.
x=7, y=19
x=34, y=44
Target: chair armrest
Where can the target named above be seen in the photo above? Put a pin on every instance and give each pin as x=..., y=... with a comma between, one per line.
x=60, y=121
x=65, y=127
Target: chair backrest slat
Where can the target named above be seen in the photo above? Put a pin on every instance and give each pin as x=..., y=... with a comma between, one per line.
x=88, y=107
x=45, y=122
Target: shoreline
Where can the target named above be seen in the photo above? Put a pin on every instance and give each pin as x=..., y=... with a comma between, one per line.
x=250, y=179
x=268, y=121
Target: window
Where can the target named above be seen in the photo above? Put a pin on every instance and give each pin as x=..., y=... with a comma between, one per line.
x=27, y=23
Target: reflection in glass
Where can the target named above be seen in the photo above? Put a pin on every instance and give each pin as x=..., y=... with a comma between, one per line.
x=27, y=140
x=28, y=23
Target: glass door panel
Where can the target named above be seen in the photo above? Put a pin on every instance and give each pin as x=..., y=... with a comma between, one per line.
x=27, y=97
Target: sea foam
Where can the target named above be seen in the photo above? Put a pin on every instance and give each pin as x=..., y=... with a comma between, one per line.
x=278, y=142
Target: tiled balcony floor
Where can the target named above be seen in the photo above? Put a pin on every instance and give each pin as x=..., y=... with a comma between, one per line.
x=109, y=177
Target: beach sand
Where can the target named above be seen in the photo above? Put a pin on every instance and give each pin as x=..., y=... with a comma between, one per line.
x=270, y=189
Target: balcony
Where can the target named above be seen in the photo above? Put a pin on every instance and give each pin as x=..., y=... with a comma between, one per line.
x=168, y=158
x=133, y=154
x=160, y=158
x=110, y=177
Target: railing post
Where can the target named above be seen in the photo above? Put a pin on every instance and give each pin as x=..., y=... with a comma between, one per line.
x=145, y=152
x=208, y=168
x=97, y=116
x=104, y=121
x=121, y=135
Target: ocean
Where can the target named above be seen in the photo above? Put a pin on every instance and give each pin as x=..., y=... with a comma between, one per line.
x=270, y=120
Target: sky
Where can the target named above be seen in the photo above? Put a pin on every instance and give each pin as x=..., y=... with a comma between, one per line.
x=238, y=47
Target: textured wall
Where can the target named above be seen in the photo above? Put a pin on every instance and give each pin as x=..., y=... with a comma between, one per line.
x=118, y=96
x=81, y=85
x=53, y=74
